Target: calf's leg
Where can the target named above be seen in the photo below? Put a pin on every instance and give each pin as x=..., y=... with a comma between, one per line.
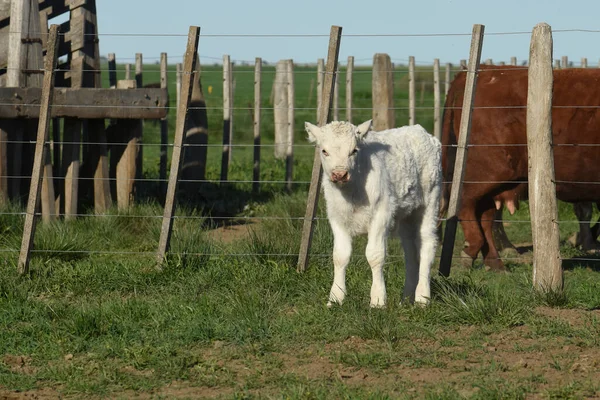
x=427, y=245
x=342, y=250
x=376, y=250
x=408, y=236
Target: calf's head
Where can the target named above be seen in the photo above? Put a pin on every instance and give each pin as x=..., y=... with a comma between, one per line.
x=339, y=144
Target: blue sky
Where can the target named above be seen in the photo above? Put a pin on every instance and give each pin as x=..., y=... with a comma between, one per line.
x=125, y=31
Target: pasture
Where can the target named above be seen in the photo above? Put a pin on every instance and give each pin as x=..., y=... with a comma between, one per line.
x=229, y=316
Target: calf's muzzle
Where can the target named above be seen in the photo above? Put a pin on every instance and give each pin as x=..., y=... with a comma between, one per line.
x=339, y=176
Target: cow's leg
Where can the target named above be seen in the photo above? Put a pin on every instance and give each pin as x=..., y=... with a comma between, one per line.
x=587, y=238
x=491, y=258
x=375, y=252
x=471, y=225
x=342, y=250
x=409, y=237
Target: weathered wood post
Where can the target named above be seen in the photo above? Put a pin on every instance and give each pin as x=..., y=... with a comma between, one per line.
x=139, y=126
x=112, y=70
x=164, y=131
x=227, y=117
x=564, y=61
x=547, y=270
x=193, y=170
x=349, y=88
x=513, y=61
x=289, y=152
x=447, y=79
x=315, y=183
x=320, y=71
x=40, y=149
x=437, y=121
x=280, y=109
x=125, y=155
x=461, y=152
x=189, y=66
x=383, y=92
x=584, y=63
x=336, y=97
x=257, y=109
x=411, y=90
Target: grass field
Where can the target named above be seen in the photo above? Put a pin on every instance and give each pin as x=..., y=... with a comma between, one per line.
x=229, y=317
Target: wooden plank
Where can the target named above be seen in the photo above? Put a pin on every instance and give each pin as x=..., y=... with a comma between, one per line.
x=164, y=131
x=349, y=87
x=461, y=152
x=17, y=52
x=383, y=92
x=289, y=152
x=280, y=109
x=437, y=120
x=257, y=109
x=547, y=269
x=189, y=65
x=40, y=149
x=411, y=90
x=312, y=201
x=86, y=103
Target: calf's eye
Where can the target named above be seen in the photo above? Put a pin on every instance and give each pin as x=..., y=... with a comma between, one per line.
x=325, y=153
x=354, y=152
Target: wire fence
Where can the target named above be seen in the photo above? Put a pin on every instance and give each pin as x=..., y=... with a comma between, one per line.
x=305, y=108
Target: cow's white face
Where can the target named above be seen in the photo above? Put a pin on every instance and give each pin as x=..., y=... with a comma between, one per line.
x=339, y=144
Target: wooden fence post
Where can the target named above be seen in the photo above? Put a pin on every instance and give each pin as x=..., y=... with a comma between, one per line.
x=164, y=131
x=315, y=182
x=178, y=82
x=383, y=92
x=336, y=97
x=583, y=62
x=40, y=149
x=437, y=122
x=125, y=155
x=513, y=61
x=564, y=61
x=289, y=153
x=112, y=70
x=461, y=152
x=349, y=88
x=411, y=90
x=547, y=271
x=227, y=117
x=189, y=65
x=280, y=109
x=320, y=71
x=139, y=128
x=127, y=72
x=447, y=79
x=257, y=109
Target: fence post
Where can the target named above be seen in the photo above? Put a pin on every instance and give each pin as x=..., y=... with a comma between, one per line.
x=189, y=65
x=164, y=130
x=547, y=271
x=336, y=96
x=289, y=153
x=40, y=150
x=383, y=92
x=461, y=151
x=280, y=109
x=583, y=62
x=257, y=109
x=437, y=123
x=411, y=90
x=315, y=183
x=447, y=79
x=227, y=117
x=178, y=82
x=349, y=84
x=112, y=70
x=564, y=61
x=513, y=61
x=320, y=68
x=127, y=72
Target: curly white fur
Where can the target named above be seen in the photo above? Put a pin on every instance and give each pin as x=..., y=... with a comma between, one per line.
x=380, y=183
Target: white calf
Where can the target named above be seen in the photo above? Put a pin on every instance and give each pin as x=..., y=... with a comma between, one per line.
x=379, y=183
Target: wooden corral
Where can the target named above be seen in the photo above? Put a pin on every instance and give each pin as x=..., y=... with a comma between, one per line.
x=80, y=106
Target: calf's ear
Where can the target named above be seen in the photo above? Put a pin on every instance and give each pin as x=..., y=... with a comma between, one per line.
x=364, y=128
x=314, y=132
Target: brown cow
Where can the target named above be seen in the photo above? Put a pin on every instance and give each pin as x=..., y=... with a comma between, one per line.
x=496, y=168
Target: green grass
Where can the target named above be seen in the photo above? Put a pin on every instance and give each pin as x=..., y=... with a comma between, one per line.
x=235, y=320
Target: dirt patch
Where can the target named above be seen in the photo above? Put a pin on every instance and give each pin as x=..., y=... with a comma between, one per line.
x=234, y=232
